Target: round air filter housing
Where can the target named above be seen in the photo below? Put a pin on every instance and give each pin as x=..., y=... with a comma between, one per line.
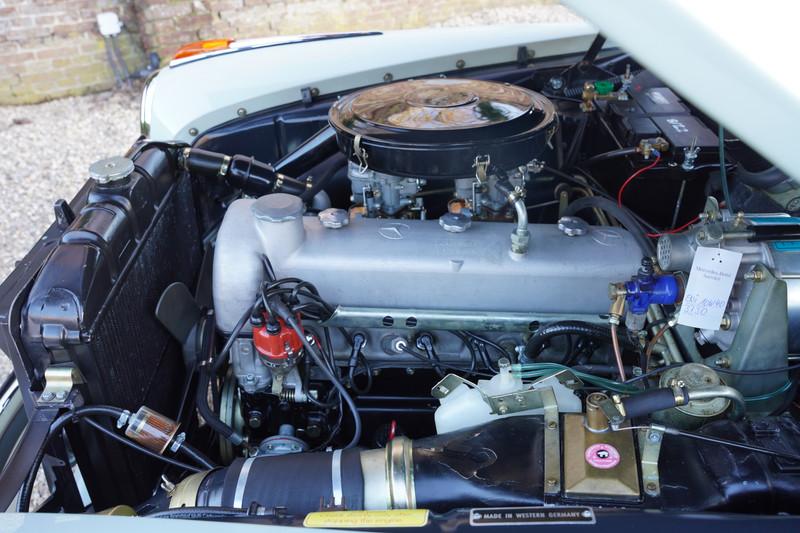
x=436, y=128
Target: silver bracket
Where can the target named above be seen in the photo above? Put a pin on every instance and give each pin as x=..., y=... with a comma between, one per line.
x=480, y=165
x=552, y=442
x=361, y=155
x=513, y=402
x=650, y=447
x=59, y=382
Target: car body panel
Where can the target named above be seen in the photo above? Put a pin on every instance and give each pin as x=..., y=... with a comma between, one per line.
x=198, y=95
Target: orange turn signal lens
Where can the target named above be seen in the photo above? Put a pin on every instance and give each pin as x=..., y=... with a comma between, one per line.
x=202, y=47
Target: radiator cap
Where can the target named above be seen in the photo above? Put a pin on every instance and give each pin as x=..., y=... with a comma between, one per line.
x=111, y=169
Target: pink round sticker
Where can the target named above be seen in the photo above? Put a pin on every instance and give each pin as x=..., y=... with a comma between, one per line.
x=602, y=456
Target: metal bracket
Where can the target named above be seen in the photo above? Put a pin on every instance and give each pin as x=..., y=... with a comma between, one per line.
x=481, y=165
x=513, y=402
x=552, y=442
x=543, y=398
x=649, y=448
x=361, y=155
x=59, y=382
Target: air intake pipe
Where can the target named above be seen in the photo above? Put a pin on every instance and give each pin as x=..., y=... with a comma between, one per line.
x=496, y=464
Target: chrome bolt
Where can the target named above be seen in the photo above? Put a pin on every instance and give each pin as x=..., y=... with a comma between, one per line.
x=61, y=395
x=47, y=396
x=241, y=111
x=552, y=424
x=651, y=487
x=654, y=437
x=754, y=275
x=722, y=362
x=193, y=131
x=552, y=482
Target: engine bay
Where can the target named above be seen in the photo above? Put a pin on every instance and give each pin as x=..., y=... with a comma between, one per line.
x=539, y=285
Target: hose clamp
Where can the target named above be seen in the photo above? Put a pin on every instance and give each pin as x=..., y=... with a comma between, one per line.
x=400, y=474
x=122, y=421
x=185, y=153
x=241, y=482
x=177, y=442
x=223, y=168
x=336, y=478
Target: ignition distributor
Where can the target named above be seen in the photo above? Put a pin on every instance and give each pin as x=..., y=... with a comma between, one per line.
x=277, y=344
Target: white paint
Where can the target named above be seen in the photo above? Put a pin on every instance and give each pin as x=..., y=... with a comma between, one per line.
x=205, y=93
x=734, y=59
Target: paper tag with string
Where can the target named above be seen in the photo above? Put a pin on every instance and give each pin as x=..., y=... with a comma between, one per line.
x=709, y=287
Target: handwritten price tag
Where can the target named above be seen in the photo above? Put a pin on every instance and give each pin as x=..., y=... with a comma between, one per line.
x=709, y=287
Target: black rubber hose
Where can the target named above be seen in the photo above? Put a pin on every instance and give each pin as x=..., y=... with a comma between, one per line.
x=242, y=172
x=199, y=513
x=139, y=448
x=196, y=455
x=316, y=149
x=648, y=402
x=24, y=501
x=82, y=413
x=570, y=327
x=213, y=421
x=764, y=179
x=621, y=214
x=330, y=168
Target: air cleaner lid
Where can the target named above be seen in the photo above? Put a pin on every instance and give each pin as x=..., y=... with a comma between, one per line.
x=437, y=127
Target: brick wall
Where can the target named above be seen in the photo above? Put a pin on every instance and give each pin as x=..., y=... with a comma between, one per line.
x=51, y=48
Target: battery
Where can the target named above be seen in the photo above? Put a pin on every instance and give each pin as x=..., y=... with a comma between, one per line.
x=656, y=111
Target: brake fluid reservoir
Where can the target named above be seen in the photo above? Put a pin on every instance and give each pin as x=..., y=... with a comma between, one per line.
x=466, y=405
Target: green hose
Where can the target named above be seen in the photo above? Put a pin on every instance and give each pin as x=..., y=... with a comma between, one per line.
x=538, y=370
x=723, y=173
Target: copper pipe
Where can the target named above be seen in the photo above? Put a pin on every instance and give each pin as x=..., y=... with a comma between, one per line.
x=617, y=352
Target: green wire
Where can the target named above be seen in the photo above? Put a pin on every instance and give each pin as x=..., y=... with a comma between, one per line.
x=538, y=370
x=769, y=395
x=723, y=172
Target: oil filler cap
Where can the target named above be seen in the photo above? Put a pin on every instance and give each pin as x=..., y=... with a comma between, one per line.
x=110, y=169
x=573, y=226
x=278, y=207
x=333, y=218
x=455, y=222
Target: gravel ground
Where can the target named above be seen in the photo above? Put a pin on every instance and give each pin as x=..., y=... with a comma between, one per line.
x=47, y=148
x=46, y=151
